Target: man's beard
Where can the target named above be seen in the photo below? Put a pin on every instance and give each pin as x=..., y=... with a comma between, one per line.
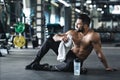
x=80, y=30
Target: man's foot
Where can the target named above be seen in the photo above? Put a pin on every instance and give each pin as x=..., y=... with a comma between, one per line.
x=32, y=66
x=111, y=70
x=37, y=66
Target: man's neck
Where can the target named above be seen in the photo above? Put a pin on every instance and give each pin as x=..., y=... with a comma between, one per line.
x=86, y=31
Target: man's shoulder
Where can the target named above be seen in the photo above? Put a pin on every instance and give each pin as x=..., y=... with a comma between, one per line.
x=95, y=36
x=94, y=32
x=71, y=30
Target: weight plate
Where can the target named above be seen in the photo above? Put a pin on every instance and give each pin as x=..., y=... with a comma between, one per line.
x=19, y=41
x=20, y=27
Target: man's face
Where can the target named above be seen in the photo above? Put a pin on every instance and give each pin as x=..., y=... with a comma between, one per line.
x=79, y=25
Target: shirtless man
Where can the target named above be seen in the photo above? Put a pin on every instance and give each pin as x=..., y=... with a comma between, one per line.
x=84, y=41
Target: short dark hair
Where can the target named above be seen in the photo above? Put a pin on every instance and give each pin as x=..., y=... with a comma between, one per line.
x=85, y=18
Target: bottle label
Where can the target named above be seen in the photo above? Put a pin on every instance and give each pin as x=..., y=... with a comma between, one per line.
x=76, y=68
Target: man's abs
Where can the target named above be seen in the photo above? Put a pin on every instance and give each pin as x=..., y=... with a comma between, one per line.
x=82, y=54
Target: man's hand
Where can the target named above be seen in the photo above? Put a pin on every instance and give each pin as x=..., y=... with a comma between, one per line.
x=65, y=38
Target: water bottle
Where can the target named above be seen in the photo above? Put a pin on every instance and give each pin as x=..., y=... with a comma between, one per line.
x=77, y=65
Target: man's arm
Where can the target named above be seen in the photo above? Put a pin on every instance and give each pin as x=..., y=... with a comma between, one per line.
x=63, y=36
x=59, y=37
x=96, y=42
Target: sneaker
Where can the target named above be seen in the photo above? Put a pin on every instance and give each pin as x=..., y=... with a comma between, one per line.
x=36, y=66
x=28, y=67
x=33, y=66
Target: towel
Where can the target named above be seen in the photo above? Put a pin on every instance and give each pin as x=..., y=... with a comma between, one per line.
x=63, y=48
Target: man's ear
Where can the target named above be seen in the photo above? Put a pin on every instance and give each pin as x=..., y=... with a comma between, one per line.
x=76, y=27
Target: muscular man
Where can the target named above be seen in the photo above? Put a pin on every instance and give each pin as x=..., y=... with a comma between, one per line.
x=84, y=41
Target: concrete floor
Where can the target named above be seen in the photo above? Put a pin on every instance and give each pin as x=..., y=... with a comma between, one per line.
x=12, y=66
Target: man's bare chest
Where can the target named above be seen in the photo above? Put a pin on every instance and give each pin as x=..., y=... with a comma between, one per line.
x=80, y=39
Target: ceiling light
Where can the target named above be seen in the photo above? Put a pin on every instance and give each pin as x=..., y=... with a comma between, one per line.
x=55, y=4
x=105, y=6
x=94, y=6
x=113, y=0
x=102, y=12
x=65, y=3
x=46, y=0
x=77, y=10
x=88, y=1
x=2, y=0
x=99, y=9
x=90, y=6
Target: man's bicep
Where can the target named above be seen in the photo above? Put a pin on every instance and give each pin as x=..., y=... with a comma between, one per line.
x=96, y=42
x=96, y=45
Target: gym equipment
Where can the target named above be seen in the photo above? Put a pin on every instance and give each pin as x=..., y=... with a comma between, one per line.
x=54, y=28
x=20, y=27
x=19, y=41
x=3, y=41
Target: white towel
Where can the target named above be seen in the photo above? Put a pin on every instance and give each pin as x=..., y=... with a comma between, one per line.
x=63, y=49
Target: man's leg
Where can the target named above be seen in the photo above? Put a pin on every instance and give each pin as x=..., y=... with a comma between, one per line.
x=48, y=44
x=68, y=64
x=70, y=57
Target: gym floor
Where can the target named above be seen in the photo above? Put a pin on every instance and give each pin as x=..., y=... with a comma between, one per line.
x=12, y=66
